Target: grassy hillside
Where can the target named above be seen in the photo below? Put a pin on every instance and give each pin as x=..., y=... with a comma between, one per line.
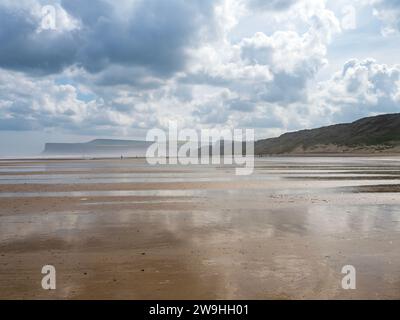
x=379, y=133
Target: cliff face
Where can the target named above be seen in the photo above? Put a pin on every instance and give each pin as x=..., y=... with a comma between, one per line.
x=377, y=134
x=97, y=147
x=372, y=134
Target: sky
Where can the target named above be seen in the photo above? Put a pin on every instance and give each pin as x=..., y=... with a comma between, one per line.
x=74, y=70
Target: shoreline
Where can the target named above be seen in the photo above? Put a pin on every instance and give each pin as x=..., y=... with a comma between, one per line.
x=286, y=155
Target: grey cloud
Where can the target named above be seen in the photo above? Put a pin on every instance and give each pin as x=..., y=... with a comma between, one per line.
x=241, y=105
x=135, y=77
x=257, y=55
x=274, y=5
x=389, y=12
x=89, y=12
x=269, y=121
x=24, y=49
x=211, y=113
x=285, y=88
x=155, y=36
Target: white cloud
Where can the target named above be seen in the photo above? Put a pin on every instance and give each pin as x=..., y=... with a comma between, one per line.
x=388, y=11
x=362, y=88
x=111, y=69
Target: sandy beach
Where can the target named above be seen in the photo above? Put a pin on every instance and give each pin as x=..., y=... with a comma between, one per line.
x=122, y=229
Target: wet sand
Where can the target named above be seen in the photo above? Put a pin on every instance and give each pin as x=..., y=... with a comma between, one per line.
x=125, y=230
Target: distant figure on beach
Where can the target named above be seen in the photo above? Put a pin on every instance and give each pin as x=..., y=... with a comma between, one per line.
x=121, y=157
